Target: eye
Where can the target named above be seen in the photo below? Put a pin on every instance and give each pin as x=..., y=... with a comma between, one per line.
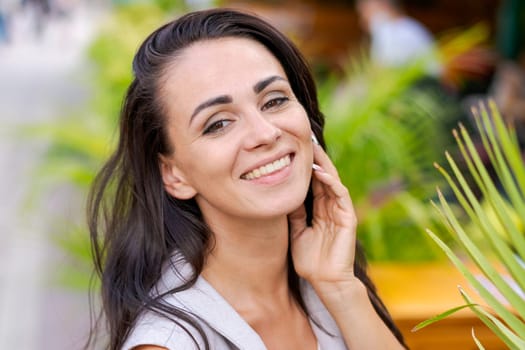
x=275, y=102
x=216, y=126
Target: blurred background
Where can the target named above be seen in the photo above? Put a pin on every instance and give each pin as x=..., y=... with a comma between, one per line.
x=391, y=90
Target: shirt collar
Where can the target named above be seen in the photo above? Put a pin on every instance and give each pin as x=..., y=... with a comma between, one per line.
x=203, y=301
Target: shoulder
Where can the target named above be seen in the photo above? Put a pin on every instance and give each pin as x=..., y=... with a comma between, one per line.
x=153, y=331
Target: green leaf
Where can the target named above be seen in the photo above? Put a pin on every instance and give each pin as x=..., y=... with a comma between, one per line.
x=492, y=146
x=476, y=340
x=478, y=257
x=510, y=162
x=502, y=331
x=440, y=317
x=513, y=321
x=512, y=150
x=479, y=216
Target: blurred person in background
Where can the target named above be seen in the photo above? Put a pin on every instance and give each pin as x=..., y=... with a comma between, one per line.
x=506, y=83
x=399, y=41
x=395, y=38
x=220, y=222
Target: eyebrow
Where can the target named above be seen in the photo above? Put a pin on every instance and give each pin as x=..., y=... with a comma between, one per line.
x=211, y=102
x=223, y=99
x=260, y=86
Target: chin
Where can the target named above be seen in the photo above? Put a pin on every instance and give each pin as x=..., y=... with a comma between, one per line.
x=290, y=204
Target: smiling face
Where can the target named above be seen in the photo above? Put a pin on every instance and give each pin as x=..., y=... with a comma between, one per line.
x=241, y=141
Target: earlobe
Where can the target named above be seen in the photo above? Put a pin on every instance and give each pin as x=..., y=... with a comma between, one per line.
x=174, y=180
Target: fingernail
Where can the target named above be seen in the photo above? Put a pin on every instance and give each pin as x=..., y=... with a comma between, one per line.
x=314, y=139
x=316, y=167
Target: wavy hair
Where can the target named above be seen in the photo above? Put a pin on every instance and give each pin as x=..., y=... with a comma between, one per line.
x=135, y=226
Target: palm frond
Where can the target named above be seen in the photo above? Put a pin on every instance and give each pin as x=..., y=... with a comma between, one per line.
x=501, y=261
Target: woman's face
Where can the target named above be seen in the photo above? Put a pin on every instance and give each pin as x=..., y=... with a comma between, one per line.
x=242, y=142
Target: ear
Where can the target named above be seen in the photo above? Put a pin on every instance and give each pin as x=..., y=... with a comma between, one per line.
x=174, y=180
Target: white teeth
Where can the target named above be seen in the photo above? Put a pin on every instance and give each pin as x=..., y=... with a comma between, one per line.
x=267, y=168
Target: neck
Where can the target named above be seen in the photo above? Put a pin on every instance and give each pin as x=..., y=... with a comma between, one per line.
x=249, y=260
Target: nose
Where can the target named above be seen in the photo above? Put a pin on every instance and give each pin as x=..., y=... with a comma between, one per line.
x=261, y=130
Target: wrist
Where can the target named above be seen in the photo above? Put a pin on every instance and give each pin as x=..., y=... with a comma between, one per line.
x=337, y=294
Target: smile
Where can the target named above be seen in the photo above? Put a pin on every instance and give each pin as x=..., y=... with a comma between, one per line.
x=267, y=168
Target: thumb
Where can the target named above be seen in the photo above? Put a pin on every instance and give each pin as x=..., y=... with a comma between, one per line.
x=297, y=220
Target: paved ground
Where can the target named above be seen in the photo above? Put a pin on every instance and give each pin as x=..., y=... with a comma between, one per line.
x=38, y=82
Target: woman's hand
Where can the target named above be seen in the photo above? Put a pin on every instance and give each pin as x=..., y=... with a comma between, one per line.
x=323, y=254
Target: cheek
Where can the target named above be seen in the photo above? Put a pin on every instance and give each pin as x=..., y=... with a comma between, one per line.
x=204, y=164
x=304, y=133
x=299, y=126
x=297, y=123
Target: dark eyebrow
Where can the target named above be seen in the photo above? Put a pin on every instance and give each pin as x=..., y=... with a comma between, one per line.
x=264, y=83
x=211, y=102
x=260, y=86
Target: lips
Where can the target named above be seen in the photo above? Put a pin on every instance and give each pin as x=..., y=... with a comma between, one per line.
x=267, y=168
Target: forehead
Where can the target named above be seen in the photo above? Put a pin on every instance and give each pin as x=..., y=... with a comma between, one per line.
x=223, y=53
x=216, y=67
x=211, y=68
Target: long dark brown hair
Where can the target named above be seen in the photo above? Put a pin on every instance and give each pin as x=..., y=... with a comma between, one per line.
x=135, y=225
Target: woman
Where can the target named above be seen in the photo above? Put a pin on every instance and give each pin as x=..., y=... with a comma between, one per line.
x=208, y=227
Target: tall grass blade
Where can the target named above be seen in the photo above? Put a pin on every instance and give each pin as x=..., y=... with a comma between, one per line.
x=479, y=217
x=479, y=258
x=513, y=154
x=476, y=340
x=495, y=325
x=440, y=317
x=472, y=159
x=503, y=234
x=492, y=146
x=513, y=321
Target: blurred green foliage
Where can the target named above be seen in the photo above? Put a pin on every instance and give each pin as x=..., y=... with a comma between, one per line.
x=385, y=128
x=80, y=143
x=112, y=53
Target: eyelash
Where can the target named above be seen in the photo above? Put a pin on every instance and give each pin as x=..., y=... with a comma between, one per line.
x=212, y=128
x=279, y=100
x=216, y=126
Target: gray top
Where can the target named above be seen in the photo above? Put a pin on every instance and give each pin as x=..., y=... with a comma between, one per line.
x=223, y=326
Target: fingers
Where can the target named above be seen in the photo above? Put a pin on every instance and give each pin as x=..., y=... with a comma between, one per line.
x=329, y=183
x=322, y=159
x=331, y=187
x=333, y=208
